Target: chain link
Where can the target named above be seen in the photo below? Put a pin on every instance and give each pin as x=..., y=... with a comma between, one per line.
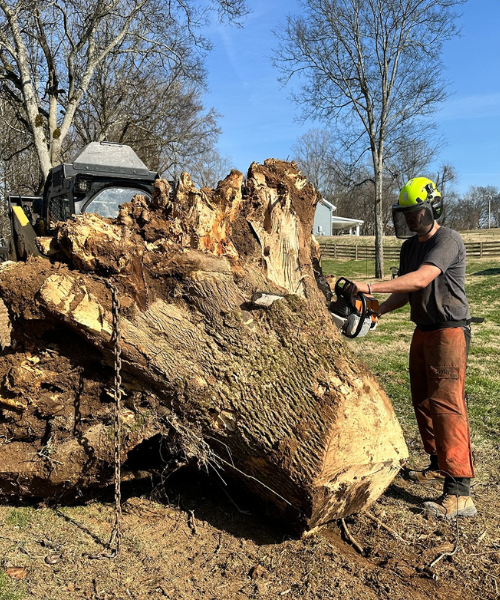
x=115, y=539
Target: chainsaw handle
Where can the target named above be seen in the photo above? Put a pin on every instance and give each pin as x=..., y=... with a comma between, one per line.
x=362, y=317
x=342, y=288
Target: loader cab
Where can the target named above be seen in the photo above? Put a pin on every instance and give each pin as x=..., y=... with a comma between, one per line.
x=101, y=178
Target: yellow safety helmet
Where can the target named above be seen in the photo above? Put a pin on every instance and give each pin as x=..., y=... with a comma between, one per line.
x=416, y=191
x=418, y=194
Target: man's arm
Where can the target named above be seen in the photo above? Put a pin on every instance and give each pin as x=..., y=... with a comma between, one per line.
x=411, y=282
x=394, y=302
x=400, y=287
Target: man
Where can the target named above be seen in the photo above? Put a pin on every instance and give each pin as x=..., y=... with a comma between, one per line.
x=431, y=279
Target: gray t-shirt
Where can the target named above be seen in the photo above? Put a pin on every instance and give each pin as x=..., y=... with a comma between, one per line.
x=444, y=298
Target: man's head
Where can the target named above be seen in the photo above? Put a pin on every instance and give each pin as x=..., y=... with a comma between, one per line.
x=418, y=206
x=418, y=221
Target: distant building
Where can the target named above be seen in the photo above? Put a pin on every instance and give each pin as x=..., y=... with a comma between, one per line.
x=349, y=226
x=323, y=218
x=325, y=223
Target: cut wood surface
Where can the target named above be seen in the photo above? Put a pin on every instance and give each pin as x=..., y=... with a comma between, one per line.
x=230, y=357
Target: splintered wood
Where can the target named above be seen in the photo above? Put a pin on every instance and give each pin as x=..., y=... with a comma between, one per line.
x=230, y=358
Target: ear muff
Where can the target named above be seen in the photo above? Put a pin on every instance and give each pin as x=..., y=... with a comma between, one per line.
x=437, y=207
x=435, y=200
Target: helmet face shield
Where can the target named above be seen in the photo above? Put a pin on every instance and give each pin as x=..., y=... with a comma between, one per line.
x=410, y=221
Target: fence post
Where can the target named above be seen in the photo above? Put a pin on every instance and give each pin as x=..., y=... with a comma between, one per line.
x=480, y=249
x=334, y=249
x=356, y=252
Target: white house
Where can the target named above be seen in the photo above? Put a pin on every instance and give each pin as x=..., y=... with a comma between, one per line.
x=323, y=218
x=325, y=223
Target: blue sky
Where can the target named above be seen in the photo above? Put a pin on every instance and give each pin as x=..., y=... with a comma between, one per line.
x=260, y=121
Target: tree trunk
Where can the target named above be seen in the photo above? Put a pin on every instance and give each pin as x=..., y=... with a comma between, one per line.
x=379, y=219
x=229, y=354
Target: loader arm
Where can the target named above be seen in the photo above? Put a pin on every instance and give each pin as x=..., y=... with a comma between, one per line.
x=22, y=241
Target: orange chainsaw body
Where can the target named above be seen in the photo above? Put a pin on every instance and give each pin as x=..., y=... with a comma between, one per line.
x=372, y=306
x=355, y=315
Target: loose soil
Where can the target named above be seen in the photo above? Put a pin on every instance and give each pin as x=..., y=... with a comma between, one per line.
x=192, y=536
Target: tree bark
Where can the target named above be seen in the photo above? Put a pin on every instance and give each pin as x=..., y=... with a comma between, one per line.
x=268, y=394
x=379, y=217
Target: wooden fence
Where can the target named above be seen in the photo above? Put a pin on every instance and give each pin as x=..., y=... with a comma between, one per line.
x=334, y=250
x=482, y=249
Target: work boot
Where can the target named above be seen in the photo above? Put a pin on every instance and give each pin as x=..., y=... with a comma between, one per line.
x=429, y=475
x=449, y=507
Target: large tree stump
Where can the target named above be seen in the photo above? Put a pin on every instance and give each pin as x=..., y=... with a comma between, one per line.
x=228, y=352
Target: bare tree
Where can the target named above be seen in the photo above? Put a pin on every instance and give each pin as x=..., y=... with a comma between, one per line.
x=410, y=150
x=484, y=197
x=314, y=151
x=356, y=201
x=472, y=209
x=495, y=210
x=208, y=168
x=163, y=119
x=372, y=66
x=346, y=185
x=444, y=180
x=49, y=52
x=20, y=170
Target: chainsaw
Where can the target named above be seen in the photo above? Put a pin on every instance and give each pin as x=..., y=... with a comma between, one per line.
x=356, y=315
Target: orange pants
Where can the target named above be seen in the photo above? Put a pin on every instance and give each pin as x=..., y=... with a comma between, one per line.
x=437, y=376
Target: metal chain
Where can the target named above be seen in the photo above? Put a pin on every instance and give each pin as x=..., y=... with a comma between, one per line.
x=115, y=539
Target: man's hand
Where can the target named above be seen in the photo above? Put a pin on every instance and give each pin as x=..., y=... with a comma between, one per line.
x=359, y=287
x=362, y=288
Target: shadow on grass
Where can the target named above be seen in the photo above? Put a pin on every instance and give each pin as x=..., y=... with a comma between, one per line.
x=81, y=527
x=486, y=272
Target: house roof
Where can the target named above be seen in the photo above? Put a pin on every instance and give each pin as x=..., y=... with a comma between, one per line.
x=345, y=223
x=327, y=204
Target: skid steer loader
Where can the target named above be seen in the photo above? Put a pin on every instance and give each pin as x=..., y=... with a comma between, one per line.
x=101, y=177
